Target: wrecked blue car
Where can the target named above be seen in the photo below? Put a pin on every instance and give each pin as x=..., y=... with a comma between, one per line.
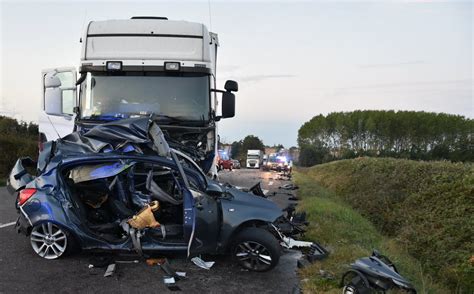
x=119, y=187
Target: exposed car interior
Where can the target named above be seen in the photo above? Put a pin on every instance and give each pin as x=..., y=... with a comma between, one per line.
x=115, y=196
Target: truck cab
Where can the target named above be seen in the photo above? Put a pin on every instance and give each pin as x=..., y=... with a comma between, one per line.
x=254, y=158
x=142, y=67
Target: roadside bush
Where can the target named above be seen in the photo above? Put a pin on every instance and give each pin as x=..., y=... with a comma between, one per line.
x=427, y=206
x=16, y=140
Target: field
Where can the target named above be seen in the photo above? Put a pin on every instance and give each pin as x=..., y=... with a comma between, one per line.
x=420, y=214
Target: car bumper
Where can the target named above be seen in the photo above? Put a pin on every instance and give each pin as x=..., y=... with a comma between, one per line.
x=23, y=225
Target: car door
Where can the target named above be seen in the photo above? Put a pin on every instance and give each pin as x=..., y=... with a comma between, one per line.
x=201, y=211
x=62, y=123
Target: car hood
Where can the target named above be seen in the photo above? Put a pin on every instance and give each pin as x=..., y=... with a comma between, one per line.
x=249, y=205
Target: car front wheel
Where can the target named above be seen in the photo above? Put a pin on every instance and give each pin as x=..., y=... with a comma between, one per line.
x=49, y=241
x=256, y=249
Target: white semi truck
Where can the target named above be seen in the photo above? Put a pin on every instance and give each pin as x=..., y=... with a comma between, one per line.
x=254, y=158
x=143, y=66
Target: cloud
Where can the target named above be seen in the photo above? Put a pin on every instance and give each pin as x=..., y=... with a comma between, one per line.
x=258, y=78
x=453, y=83
x=396, y=64
x=227, y=68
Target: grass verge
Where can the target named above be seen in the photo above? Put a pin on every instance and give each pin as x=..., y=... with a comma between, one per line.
x=348, y=235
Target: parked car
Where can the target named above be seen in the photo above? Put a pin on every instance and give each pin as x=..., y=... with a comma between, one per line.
x=116, y=188
x=236, y=163
x=226, y=164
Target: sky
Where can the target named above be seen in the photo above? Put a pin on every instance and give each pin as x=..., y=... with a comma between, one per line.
x=293, y=60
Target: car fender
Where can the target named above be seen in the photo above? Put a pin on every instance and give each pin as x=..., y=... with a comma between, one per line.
x=243, y=209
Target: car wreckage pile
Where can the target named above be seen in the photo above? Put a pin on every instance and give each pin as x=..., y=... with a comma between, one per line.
x=119, y=187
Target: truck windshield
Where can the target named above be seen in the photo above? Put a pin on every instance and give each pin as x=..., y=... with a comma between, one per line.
x=184, y=97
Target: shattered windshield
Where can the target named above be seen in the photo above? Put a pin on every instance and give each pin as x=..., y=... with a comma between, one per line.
x=183, y=97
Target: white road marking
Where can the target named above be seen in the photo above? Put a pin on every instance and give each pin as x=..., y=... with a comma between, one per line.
x=271, y=183
x=7, y=225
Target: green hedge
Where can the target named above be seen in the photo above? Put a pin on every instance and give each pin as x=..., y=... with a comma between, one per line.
x=428, y=207
x=17, y=139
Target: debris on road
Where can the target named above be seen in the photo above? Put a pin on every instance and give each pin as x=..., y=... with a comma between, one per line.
x=127, y=261
x=100, y=261
x=170, y=283
x=289, y=187
x=201, y=263
x=110, y=270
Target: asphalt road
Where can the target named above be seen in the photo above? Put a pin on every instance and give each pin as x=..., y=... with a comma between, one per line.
x=22, y=271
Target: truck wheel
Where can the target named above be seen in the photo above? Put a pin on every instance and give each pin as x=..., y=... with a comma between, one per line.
x=256, y=249
x=50, y=241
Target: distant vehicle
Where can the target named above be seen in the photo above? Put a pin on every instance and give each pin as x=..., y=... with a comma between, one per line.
x=226, y=164
x=224, y=161
x=276, y=162
x=236, y=163
x=254, y=158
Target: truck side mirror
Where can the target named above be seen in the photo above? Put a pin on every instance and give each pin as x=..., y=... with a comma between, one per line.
x=53, y=97
x=59, y=92
x=228, y=105
x=231, y=86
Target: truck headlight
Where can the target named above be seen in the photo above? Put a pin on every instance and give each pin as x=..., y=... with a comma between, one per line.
x=113, y=65
x=172, y=66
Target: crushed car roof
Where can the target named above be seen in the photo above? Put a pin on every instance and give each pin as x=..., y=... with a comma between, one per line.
x=134, y=135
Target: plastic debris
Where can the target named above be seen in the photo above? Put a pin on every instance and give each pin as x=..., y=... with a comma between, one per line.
x=290, y=243
x=289, y=187
x=110, y=270
x=169, y=280
x=201, y=263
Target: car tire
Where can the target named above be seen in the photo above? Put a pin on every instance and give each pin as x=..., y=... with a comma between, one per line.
x=256, y=249
x=50, y=241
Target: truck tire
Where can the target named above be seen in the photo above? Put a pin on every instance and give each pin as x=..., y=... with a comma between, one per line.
x=256, y=249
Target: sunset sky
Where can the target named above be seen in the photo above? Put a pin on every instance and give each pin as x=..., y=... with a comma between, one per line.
x=292, y=60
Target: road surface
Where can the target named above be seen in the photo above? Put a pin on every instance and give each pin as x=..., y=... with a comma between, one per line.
x=22, y=271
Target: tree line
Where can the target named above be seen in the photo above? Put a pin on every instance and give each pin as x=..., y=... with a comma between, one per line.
x=17, y=139
x=414, y=135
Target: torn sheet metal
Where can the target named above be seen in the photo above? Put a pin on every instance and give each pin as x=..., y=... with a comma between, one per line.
x=159, y=142
x=85, y=173
x=125, y=135
x=201, y=263
x=376, y=273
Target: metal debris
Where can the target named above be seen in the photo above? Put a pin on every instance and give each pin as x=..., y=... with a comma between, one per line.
x=110, y=270
x=201, y=263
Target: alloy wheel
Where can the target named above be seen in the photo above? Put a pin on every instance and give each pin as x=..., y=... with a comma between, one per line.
x=48, y=240
x=253, y=255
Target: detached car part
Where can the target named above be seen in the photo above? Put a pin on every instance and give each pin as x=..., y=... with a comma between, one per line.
x=374, y=273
